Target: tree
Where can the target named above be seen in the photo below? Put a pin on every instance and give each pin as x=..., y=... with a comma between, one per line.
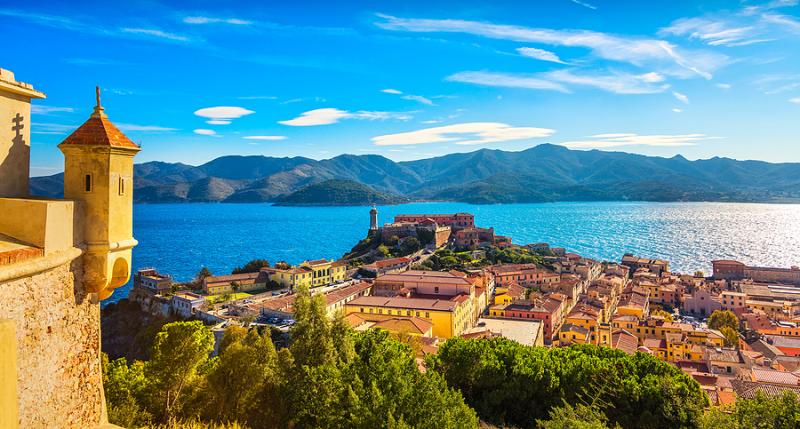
x=578, y=417
x=731, y=336
x=202, y=275
x=124, y=387
x=235, y=286
x=392, y=241
x=659, y=312
x=253, y=266
x=409, y=245
x=179, y=349
x=511, y=384
x=384, y=251
x=283, y=265
x=719, y=319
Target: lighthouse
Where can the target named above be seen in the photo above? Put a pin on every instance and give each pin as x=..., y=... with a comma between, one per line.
x=373, y=219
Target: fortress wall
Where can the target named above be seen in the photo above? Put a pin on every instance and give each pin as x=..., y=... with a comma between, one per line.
x=59, y=378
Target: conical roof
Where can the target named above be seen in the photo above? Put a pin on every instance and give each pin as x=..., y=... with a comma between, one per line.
x=99, y=131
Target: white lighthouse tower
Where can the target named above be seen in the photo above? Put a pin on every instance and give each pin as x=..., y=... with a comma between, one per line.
x=373, y=219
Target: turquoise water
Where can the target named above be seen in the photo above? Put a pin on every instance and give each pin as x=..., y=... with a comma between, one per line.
x=180, y=238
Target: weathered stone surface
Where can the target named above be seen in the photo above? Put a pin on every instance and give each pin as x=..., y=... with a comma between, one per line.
x=58, y=345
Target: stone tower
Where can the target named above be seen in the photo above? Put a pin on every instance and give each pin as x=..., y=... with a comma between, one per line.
x=98, y=174
x=373, y=219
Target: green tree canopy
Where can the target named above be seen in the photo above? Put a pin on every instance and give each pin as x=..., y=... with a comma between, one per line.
x=720, y=319
x=253, y=266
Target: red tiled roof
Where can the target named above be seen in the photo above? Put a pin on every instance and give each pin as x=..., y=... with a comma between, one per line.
x=99, y=131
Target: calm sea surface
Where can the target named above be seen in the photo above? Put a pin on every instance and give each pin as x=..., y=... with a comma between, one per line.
x=181, y=238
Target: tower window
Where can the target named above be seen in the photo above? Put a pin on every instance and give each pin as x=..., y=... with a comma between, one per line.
x=88, y=183
x=121, y=186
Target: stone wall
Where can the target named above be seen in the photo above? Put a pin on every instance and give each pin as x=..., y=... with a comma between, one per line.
x=58, y=345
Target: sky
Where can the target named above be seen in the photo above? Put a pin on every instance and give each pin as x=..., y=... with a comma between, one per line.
x=407, y=80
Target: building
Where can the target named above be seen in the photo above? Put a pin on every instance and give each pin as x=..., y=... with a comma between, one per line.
x=311, y=274
x=525, y=275
x=243, y=282
x=283, y=306
x=655, y=266
x=413, y=326
x=455, y=221
x=385, y=266
x=549, y=311
x=450, y=317
x=526, y=332
x=431, y=284
x=428, y=232
x=58, y=259
x=184, y=303
x=471, y=237
x=150, y=281
x=373, y=219
x=735, y=270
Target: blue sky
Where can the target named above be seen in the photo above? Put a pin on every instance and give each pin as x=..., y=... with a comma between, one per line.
x=408, y=80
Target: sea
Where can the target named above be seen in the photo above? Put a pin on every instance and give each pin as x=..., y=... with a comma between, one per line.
x=179, y=239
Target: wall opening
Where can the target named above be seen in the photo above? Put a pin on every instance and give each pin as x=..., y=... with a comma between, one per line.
x=120, y=273
x=87, y=183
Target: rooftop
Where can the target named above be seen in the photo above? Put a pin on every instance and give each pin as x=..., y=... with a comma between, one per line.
x=522, y=331
x=403, y=303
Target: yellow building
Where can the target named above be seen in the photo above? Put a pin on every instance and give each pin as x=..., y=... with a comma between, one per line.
x=324, y=272
x=311, y=274
x=58, y=259
x=449, y=317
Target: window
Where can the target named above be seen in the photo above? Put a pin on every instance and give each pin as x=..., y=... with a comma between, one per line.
x=88, y=183
x=121, y=186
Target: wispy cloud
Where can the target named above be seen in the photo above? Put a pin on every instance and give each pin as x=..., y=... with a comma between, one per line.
x=683, y=98
x=653, y=53
x=584, y=4
x=330, y=115
x=215, y=20
x=222, y=115
x=714, y=32
x=470, y=133
x=603, y=141
x=562, y=80
x=154, y=32
x=51, y=128
x=144, y=128
x=304, y=99
x=412, y=97
x=677, y=110
x=795, y=100
x=205, y=132
x=506, y=80
x=724, y=86
x=268, y=138
x=540, y=54
x=46, y=110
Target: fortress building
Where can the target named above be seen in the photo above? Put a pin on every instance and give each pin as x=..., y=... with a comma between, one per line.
x=58, y=259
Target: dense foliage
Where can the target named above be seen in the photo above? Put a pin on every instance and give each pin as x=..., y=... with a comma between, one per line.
x=447, y=259
x=508, y=383
x=762, y=412
x=329, y=377
x=253, y=266
x=720, y=319
x=338, y=193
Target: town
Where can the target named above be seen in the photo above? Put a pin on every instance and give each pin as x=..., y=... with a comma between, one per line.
x=431, y=277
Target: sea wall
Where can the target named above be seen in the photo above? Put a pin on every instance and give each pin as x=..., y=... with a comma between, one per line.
x=59, y=378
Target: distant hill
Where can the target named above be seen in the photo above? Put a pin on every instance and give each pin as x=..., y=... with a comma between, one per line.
x=337, y=192
x=542, y=173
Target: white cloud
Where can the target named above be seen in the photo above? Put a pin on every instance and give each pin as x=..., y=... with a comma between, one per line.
x=676, y=110
x=602, y=141
x=470, y=133
x=432, y=121
x=155, y=33
x=205, y=132
x=783, y=20
x=222, y=115
x=715, y=31
x=584, y=4
x=506, y=80
x=540, y=54
x=144, y=128
x=640, y=52
x=329, y=115
x=46, y=110
x=795, y=100
x=258, y=97
x=418, y=98
x=269, y=138
x=211, y=20
x=724, y=86
x=50, y=128
x=681, y=97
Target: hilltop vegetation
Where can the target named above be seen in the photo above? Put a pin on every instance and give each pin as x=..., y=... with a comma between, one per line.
x=542, y=173
x=336, y=192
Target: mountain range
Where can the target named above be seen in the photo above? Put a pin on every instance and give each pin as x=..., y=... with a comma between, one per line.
x=542, y=173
